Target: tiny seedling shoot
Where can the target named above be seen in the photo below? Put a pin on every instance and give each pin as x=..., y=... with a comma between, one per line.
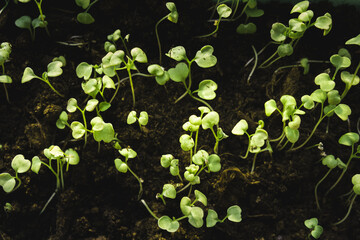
x=85, y=17
x=5, y=50
x=224, y=12
x=257, y=140
x=352, y=196
x=142, y=119
x=313, y=225
x=123, y=167
x=172, y=17
x=54, y=69
x=20, y=165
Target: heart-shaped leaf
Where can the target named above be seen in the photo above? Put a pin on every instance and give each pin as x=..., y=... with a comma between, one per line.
x=240, y=128
x=204, y=57
x=300, y=7
x=210, y=119
x=342, y=111
x=179, y=73
x=224, y=11
x=186, y=142
x=291, y=134
x=28, y=75
x=248, y=28
x=138, y=55
x=54, y=69
x=214, y=163
x=78, y=129
x=234, y=213
x=340, y=62
x=285, y=50
x=177, y=53
x=212, y=218
x=307, y=102
x=23, y=22
x=82, y=3
x=349, y=79
x=207, y=89
x=120, y=165
x=72, y=157
x=128, y=152
x=7, y=182
x=278, y=32
x=306, y=16
x=173, y=15
x=84, y=70
x=71, y=105
x=196, y=217
x=168, y=224
x=325, y=82
x=35, y=164
x=91, y=105
x=85, y=18
x=349, y=139
x=107, y=134
x=169, y=191
x=20, y=164
x=185, y=205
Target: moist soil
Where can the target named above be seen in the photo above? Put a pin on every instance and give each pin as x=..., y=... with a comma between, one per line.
x=99, y=202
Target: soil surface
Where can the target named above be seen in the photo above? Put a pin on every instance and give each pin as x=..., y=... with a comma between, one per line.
x=99, y=202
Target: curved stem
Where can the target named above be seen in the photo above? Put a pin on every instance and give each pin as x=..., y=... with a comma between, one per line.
x=253, y=163
x=317, y=185
x=348, y=86
x=213, y=32
x=139, y=180
x=131, y=85
x=267, y=60
x=157, y=37
x=348, y=212
x=51, y=86
x=149, y=210
x=255, y=64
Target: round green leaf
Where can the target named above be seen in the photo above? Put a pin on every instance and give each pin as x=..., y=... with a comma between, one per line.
x=186, y=142
x=307, y=101
x=185, y=205
x=306, y=16
x=143, y=118
x=7, y=182
x=349, y=139
x=355, y=179
x=169, y=191
x=349, y=79
x=234, y=213
x=297, y=25
x=5, y=79
x=212, y=218
x=316, y=233
x=214, y=163
x=54, y=69
x=318, y=96
x=85, y=18
x=240, y=128
x=107, y=134
x=334, y=97
x=325, y=82
x=71, y=105
x=224, y=11
x=200, y=157
x=82, y=3
x=248, y=28
x=270, y=107
x=165, y=160
x=300, y=7
x=72, y=157
x=179, y=73
x=207, y=89
x=311, y=223
x=35, y=164
x=120, y=165
x=342, y=111
x=204, y=57
x=291, y=134
x=138, y=55
x=278, y=32
x=177, y=53
x=330, y=161
x=173, y=15
x=28, y=75
x=324, y=22
x=128, y=153
x=285, y=50
x=196, y=217
x=20, y=164
x=168, y=224
x=339, y=61
x=131, y=118
x=23, y=22
x=212, y=118
x=91, y=105
x=78, y=129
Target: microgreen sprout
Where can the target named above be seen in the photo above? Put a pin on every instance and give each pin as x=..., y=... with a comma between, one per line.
x=5, y=50
x=172, y=17
x=224, y=12
x=258, y=141
x=54, y=69
x=251, y=11
x=122, y=166
x=204, y=58
x=31, y=24
x=331, y=163
x=233, y=214
x=351, y=80
x=352, y=195
x=348, y=139
x=168, y=161
x=313, y=225
x=85, y=17
x=287, y=37
x=168, y=191
x=142, y=119
x=20, y=165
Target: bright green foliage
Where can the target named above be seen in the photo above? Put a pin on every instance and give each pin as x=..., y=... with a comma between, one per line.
x=85, y=17
x=313, y=225
x=142, y=119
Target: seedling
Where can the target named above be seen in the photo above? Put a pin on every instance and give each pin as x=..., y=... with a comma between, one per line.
x=54, y=69
x=168, y=161
x=258, y=141
x=168, y=191
x=287, y=37
x=122, y=166
x=5, y=50
x=348, y=139
x=351, y=80
x=85, y=17
x=313, y=225
x=31, y=24
x=353, y=194
x=251, y=11
x=194, y=214
x=101, y=130
x=331, y=163
x=20, y=165
x=142, y=119
x=224, y=12
x=172, y=17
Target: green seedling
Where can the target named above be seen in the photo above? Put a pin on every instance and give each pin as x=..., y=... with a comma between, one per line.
x=331, y=163
x=26, y=22
x=110, y=44
x=101, y=130
x=168, y=161
x=194, y=214
x=54, y=69
x=168, y=191
x=123, y=167
x=313, y=225
x=204, y=58
x=352, y=196
x=5, y=50
x=348, y=139
x=20, y=165
x=258, y=141
x=287, y=37
x=351, y=79
x=251, y=11
x=233, y=214
x=142, y=119
x=62, y=160
x=8, y=208
x=224, y=12
x=172, y=17
x=85, y=17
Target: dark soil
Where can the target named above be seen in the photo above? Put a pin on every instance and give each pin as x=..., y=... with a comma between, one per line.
x=101, y=203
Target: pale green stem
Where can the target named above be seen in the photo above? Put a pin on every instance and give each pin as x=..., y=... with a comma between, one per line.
x=348, y=212
x=317, y=185
x=157, y=36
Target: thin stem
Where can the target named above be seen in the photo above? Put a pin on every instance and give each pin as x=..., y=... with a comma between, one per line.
x=149, y=210
x=138, y=179
x=255, y=64
x=131, y=85
x=267, y=60
x=117, y=88
x=317, y=185
x=348, y=212
x=213, y=32
x=157, y=36
x=49, y=200
x=347, y=87
x=253, y=163
x=51, y=86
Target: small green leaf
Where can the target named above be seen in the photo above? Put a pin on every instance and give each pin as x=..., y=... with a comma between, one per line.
x=291, y=134
x=224, y=11
x=28, y=75
x=103, y=106
x=85, y=18
x=7, y=182
x=316, y=233
x=307, y=101
x=240, y=128
x=254, y=12
x=340, y=62
x=200, y=197
x=91, y=105
x=179, y=73
x=306, y=16
x=131, y=118
x=342, y=111
x=285, y=50
x=278, y=32
x=82, y=3
x=72, y=157
x=35, y=164
x=185, y=205
x=234, y=213
x=211, y=218
x=78, y=129
x=212, y=118
x=173, y=15
x=270, y=107
x=169, y=191
x=186, y=142
x=204, y=57
x=128, y=153
x=354, y=40
x=143, y=118
x=295, y=122
x=20, y=164
x=54, y=69
x=107, y=134
x=71, y=105
x=300, y=7
x=349, y=139
x=120, y=165
x=177, y=53
x=214, y=163
x=168, y=224
x=349, y=79
x=138, y=55
x=334, y=97
x=325, y=82
x=318, y=96
x=324, y=22
x=207, y=89
x=165, y=160
x=108, y=82
x=196, y=217
x=5, y=79
x=23, y=22
x=330, y=161
x=297, y=25
x=248, y=28
x=311, y=223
